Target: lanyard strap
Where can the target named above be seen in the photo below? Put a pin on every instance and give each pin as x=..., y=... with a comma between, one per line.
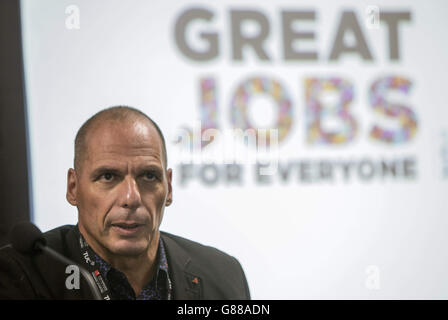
x=90, y=264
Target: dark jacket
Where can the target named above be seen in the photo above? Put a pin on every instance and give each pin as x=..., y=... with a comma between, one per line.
x=196, y=271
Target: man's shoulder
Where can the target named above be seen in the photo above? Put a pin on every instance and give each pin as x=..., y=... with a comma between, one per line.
x=221, y=274
x=195, y=249
x=57, y=239
x=57, y=236
x=202, y=259
x=53, y=238
x=27, y=276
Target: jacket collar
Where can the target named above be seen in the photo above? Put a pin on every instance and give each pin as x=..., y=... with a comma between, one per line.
x=187, y=285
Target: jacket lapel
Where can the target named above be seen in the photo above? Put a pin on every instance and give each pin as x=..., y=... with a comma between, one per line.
x=186, y=285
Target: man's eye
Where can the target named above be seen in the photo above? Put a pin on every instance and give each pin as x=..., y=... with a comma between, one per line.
x=107, y=176
x=149, y=176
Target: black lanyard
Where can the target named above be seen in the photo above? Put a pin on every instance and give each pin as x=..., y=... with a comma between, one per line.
x=89, y=261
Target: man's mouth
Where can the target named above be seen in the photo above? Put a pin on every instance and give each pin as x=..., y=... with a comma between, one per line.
x=127, y=228
x=126, y=225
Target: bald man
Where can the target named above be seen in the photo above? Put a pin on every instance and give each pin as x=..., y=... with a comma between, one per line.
x=121, y=185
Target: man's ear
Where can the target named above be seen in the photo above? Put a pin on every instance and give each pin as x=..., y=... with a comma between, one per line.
x=169, y=198
x=72, y=185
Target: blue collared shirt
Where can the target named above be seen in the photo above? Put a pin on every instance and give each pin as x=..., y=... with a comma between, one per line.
x=120, y=288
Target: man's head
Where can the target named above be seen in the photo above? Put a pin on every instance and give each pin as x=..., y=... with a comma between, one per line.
x=120, y=183
x=118, y=113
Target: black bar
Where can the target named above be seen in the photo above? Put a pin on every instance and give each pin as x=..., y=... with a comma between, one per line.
x=256, y=309
x=14, y=188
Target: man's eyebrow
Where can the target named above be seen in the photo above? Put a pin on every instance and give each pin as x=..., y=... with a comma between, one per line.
x=150, y=166
x=104, y=169
x=107, y=168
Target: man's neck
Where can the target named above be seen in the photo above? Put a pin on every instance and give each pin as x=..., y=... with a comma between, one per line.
x=139, y=270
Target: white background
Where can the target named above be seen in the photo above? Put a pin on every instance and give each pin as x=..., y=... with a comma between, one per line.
x=295, y=241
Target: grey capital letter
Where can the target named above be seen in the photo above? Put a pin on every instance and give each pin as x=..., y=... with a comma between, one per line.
x=289, y=35
x=392, y=19
x=210, y=37
x=239, y=40
x=349, y=22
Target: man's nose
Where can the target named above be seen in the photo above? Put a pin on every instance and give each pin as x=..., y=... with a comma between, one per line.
x=129, y=194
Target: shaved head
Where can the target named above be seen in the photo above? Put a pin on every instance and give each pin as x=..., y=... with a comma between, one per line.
x=119, y=114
